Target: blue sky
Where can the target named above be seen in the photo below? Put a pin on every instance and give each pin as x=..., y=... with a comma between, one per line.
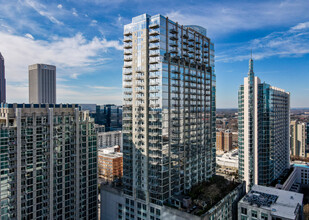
x=83, y=38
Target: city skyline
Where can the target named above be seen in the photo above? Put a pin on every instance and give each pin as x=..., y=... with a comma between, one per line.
x=84, y=41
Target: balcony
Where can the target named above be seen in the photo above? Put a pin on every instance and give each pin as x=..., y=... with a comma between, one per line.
x=154, y=53
x=154, y=76
x=153, y=69
x=127, y=85
x=173, y=45
x=127, y=79
x=173, y=38
x=154, y=40
x=153, y=26
x=191, y=39
x=154, y=61
x=127, y=52
x=127, y=99
x=127, y=72
x=127, y=39
x=127, y=65
x=173, y=31
x=154, y=84
x=154, y=33
x=127, y=93
x=174, y=51
x=128, y=33
x=155, y=47
x=154, y=91
x=185, y=36
x=128, y=58
x=127, y=46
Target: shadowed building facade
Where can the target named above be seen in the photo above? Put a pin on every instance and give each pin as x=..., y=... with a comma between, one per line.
x=42, y=84
x=2, y=80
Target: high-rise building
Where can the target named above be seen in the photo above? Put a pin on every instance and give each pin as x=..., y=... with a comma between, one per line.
x=48, y=162
x=42, y=84
x=220, y=140
x=263, y=136
x=168, y=112
x=110, y=116
x=224, y=140
x=299, y=138
x=2, y=80
x=228, y=142
x=109, y=139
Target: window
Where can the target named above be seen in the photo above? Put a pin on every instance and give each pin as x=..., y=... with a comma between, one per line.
x=264, y=216
x=243, y=211
x=254, y=214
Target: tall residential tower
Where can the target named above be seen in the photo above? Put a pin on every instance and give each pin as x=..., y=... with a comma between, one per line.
x=48, y=162
x=263, y=135
x=168, y=111
x=42, y=84
x=2, y=80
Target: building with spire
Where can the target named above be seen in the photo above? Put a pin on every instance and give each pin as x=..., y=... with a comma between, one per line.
x=263, y=135
x=2, y=80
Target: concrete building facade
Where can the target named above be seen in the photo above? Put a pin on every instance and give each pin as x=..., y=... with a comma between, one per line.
x=110, y=139
x=42, y=84
x=299, y=138
x=48, y=162
x=263, y=136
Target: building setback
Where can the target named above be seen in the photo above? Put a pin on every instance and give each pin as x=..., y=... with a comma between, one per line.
x=2, y=80
x=263, y=136
x=168, y=112
x=42, y=84
x=48, y=162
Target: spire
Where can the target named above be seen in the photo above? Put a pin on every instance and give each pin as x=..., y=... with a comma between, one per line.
x=251, y=66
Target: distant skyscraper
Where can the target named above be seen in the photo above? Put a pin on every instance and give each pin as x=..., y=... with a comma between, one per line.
x=42, y=83
x=263, y=136
x=48, y=162
x=110, y=116
x=299, y=138
x=2, y=80
x=168, y=112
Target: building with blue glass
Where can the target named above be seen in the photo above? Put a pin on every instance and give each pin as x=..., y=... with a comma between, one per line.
x=263, y=131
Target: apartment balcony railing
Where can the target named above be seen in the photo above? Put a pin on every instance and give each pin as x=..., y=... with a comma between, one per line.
x=127, y=46
x=154, y=33
x=153, y=26
x=127, y=39
x=127, y=33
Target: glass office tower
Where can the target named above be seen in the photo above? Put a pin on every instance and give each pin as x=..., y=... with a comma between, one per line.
x=168, y=110
x=263, y=131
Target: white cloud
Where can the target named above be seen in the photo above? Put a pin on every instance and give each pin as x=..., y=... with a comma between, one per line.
x=59, y=6
x=293, y=42
x=74, y=12
x=74, y=75
x=70, y=55
x=42, y=10
x=104, y=87
x=223, y=18
x=301, y=26
x=29, y=36
x=93, y=23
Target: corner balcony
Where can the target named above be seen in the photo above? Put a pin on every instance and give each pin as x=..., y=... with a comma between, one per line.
x=127, y=52
x=154, y=53
x=173, y=31
x=127, y=65
x=155, y=47
x=127, y=58
x=174, y=51
x=127, y=46
x=127, y=33
x=173, y=38
x=154, y=40
x=127, y=72
x=154, y=33
x=153, y=26
x=127, y=39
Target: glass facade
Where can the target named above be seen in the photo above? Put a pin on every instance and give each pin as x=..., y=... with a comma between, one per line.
x=263, y=121
x=169, y=108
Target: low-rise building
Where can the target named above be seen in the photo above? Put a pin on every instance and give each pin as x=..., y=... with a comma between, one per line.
x=110, y=165
x=216, y=199
x=224, y=140
x=267, y=203
x=227, y=163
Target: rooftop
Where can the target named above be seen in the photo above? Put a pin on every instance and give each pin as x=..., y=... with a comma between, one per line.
x=281, y=203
